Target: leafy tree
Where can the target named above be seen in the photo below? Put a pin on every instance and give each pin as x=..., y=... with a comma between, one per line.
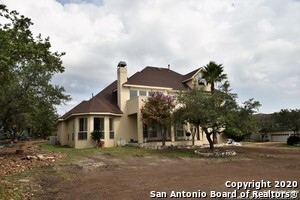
x=213, y=73
x=266, y=124
x=27, y=96
x=191, y=110
x=288, y=119
x=214, y=113
x=241, y=121
x=206, y=111
x=158, y=109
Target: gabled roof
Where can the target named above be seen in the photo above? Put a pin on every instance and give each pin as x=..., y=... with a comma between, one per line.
x=104, y=102
x=158, y=77
x=191, y=75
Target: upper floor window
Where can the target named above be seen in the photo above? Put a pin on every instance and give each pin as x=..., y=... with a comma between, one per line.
x=201, y=80
x=143, y=93
x=154, y=92
x=133, y=93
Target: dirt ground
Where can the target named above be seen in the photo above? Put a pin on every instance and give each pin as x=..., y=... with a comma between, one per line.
x=107, y=177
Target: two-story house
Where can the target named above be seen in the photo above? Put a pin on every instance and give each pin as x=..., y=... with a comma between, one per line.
x=116, y=110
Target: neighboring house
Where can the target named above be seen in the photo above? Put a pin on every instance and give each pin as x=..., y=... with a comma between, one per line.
x=270, y=131
x=116, y=110
x=274, y=136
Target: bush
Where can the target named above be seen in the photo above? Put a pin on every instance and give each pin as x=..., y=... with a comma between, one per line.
x=235, y=134
x=293, y=140
x=97, y=135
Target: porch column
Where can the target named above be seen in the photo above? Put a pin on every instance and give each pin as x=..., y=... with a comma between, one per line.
x=172, y=134
x=76, y=130
x=90, y=126
x=106, y=128
x=140, y=129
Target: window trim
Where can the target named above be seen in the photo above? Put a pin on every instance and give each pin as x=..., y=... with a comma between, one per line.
x=111, y=128
x=82, y=131
x=103, y=128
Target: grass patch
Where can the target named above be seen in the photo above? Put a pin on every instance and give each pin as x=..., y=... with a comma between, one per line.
x=75, y=154
x=71, y=153
x=136, y=151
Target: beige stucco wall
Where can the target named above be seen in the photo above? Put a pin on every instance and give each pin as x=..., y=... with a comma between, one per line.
x=71, y=132
x=61, y=133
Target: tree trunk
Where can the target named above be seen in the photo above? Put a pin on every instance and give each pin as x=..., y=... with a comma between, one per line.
x=212, y=87
x=198, y=132
x=163, y=136
x=211, y=143
x=215, y=138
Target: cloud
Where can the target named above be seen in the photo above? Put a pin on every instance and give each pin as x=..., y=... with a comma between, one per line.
x=257, y=41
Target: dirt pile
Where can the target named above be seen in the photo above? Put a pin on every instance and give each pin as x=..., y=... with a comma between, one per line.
x=11, y=162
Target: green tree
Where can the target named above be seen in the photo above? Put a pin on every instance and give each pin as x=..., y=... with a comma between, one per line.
x=241, y=121
x=288, y=119
x=206, y=111
x=27, y=66
x=213, y=73
x=158, y=109
x=266, y=124
x=191, y=111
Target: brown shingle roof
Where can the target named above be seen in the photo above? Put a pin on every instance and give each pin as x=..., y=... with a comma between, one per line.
x=105, y=101
x=190, y=75
x=158, y=77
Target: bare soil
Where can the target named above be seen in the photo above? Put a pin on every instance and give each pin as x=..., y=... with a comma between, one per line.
x=103, y=176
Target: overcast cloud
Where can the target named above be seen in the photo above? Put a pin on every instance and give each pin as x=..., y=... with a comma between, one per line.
x=257, y=41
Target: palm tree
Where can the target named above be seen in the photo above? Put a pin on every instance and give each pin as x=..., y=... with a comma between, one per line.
x=213, y=73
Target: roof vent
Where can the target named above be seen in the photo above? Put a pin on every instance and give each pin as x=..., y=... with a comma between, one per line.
x=122, y=64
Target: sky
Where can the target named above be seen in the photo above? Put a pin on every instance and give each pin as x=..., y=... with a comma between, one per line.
x=257, y=41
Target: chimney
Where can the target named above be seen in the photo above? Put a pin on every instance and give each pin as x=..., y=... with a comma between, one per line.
x=122, y=78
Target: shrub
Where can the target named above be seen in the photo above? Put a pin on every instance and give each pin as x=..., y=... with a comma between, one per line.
x=97, y=135
x=235, y=134
x=293, y=140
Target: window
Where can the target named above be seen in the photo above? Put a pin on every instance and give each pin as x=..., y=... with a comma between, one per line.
x=145, y=131
x=201, y=80
x=150, y=131
x=111, y=128
x=82, y=134
x=143, y=93
x=99, y=125
x=179, y=130
x=133, y=93
x=151, y=93
x=153, y=131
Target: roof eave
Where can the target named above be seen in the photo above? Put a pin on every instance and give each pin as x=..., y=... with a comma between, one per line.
x=90, y=113
x=147, y=86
